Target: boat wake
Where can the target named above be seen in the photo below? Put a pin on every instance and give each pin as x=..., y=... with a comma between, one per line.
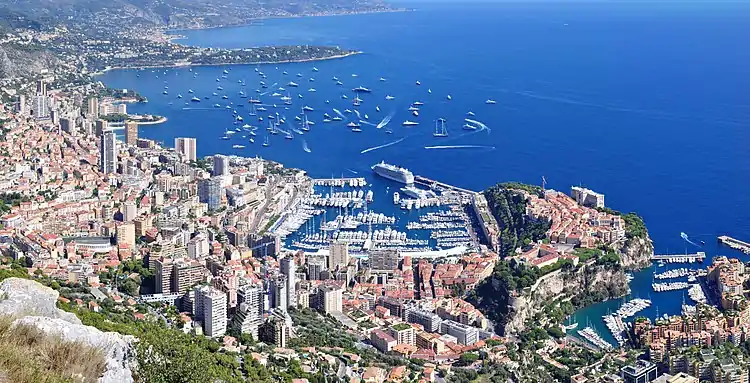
x=385, y=120
x=353, y=171
x=382, y=146
x=367, y=123
x=357, y=113
x=340, y=114
x=461, y=147
x=685, y=237
x=479, y=124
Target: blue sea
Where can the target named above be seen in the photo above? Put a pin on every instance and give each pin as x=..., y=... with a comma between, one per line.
x=645, y=102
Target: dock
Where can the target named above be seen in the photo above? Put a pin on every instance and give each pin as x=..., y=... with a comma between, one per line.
x=440, y=185
x=351, y=181
x=680, y=258
x=735, y=243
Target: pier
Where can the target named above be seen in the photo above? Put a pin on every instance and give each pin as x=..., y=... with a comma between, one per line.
x=735, y=243
x=680, y=258
x=439, y=185
x=340, y=182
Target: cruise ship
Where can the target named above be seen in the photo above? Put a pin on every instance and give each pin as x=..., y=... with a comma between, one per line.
x=393, y=173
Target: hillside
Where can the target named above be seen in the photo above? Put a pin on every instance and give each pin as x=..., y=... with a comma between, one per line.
x=169, y=13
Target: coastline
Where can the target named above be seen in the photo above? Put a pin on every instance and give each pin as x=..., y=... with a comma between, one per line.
x=173, y=34
x=162, y=120
x=190, y=64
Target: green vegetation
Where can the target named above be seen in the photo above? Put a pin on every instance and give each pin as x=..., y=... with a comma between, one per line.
x=508, y=206
x=115, y=117
x=8, y=200
x=270, y=223
x=13, y=270
x=28, y=355
x=401, y=327
x=634, y=225
x=316, y=330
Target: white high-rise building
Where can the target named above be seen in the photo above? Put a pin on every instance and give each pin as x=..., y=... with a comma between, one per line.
x=278, y=292
x=21, y=106
x=41, y=106
x=92, y=111
x=221, y=165
x=108, y=153
x=289, y=268
x=329, y=299
x=186, y=147
x=211, y=309
x=249, y=317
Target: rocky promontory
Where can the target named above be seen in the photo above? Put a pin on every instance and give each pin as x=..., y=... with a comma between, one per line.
x=30, y=304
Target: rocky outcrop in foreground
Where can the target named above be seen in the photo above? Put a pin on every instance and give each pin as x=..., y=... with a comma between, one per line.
x=34, y=304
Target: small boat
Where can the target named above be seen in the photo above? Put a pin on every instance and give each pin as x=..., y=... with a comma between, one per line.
x=328, y=102
x=347, y=111
x=409, y=123
x=353, y=125
x=355, y=75
x=429, y=91
x=344, y=96
x=470, y=114
x=195, y=99
x=415, y=113
x=413, y=108
x=226, y=71
x=281, y=88
x=335, y=78
x=490, y=102
x=179, y=96
x=225, y=97
x=219, y=88
x=339, y=83
x=254, y=101
x=315, y=69
x=311, y=90
x=418, y=103
x=285, y=72
x=326, y=115
x=326, y=120
x=361, y=89
x=449, y=97
x=389, y=97
x=382, y=79
x=252, y=140
x=289, y=136
x=297, y=118
x=299, y=74
x=275, y=94
x=165, y=92
x=261, y=109
x=377, y=108
x=292, y=84
x=217, y=106
x=311, y=79
x=190, y=91
x=419, y=83
x=238, y=146
x=299, y=95
x=357, y=130
x=307, y=108
x=215, y=94
x=336, y=118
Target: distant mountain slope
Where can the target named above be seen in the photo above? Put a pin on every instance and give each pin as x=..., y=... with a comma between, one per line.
x=174, y=13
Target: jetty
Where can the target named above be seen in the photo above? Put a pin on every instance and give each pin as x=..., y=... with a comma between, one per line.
x=735, y=243
x=680, y=258
x=340, y=182
x=440, y=185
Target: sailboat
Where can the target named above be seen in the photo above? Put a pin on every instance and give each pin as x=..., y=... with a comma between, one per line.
x=440, y=129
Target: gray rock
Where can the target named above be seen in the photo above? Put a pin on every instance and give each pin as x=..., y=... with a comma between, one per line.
x=21, y=297
x=116, y=346
x=36, y=305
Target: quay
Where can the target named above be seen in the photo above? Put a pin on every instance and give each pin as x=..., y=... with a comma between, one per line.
x=352, y=181
x=680, y=258
x=735, y=243
x=440, y=185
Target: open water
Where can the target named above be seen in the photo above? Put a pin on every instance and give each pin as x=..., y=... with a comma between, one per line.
x=645, y=102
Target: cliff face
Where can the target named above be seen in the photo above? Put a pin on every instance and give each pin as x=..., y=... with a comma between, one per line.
x=16, y=62
x=636, y=253
x=33, y=304
x=589, y=280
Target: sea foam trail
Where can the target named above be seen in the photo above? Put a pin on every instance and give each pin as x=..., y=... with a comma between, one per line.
x=461, y=147
x=685, y=237
x=367, y=123
x=339, y=113
x=478, y=123
x=385, y=120
x=305, y=147
x=357, y=113
x=353, y=171
x=382, y=146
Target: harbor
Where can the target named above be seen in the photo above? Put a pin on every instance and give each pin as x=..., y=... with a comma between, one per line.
x=353, y=210
x=735, y=243
x=680, y=258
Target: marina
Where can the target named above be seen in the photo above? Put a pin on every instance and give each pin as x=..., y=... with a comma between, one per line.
x=669, y=286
